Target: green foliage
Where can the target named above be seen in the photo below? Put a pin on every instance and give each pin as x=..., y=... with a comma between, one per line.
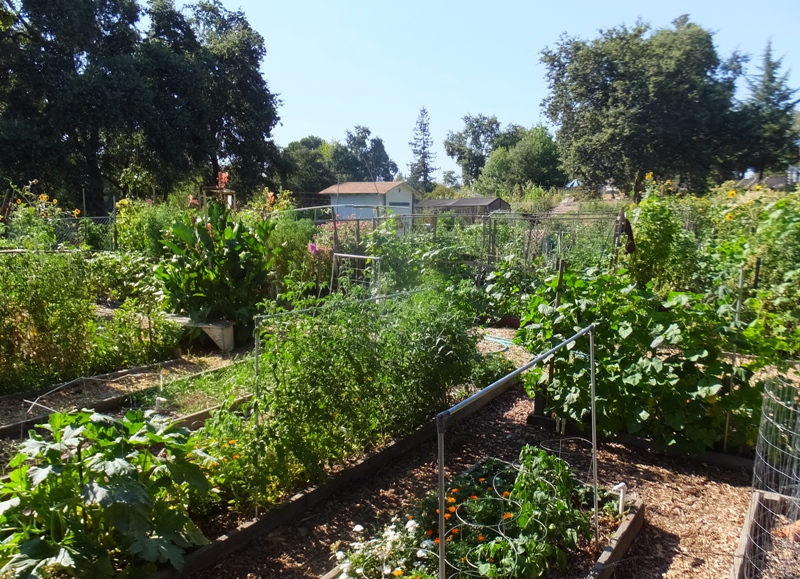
x=220, y=269
x=659, y=366
x=420, y=171
x=99, y=497
x=45, y=313
x=353, y=374
x=501, y=521
x=666, y=256
x=47, y=328
x=533, y=159
x=141, y=226
x=635, y=100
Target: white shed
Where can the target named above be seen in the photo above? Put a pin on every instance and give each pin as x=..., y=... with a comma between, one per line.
x=358, y=199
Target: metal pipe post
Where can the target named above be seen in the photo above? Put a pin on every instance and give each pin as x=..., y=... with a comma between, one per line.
x=441, y=420
x=594, y=436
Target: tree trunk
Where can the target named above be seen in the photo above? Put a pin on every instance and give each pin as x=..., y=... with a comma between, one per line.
x=637, y=187
x=95, y=201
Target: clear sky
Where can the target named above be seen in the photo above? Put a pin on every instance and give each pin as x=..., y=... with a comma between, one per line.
x=341, y=63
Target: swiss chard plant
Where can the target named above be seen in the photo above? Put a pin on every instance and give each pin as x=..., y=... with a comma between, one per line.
x=99, y=497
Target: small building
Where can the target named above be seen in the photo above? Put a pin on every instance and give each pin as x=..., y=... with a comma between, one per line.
x=359, y=199
x=468, y=205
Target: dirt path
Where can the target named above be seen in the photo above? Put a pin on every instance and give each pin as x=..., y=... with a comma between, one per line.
x=694, y=512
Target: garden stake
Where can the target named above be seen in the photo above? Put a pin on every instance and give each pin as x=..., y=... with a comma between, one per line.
x=256, y=335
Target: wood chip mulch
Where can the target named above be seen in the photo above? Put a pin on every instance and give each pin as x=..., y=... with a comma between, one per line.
x=693, y=511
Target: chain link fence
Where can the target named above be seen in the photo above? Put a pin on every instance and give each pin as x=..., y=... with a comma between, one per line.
x=93, y=233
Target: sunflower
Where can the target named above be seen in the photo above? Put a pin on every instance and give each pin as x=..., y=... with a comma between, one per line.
x=729, y=217
x=731, y=194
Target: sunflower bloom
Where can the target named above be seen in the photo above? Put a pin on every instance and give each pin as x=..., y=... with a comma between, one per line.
x=731, y=194
x=729, y=217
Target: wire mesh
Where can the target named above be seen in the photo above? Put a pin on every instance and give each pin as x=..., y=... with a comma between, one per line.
x=773, y=523
x=93, y=233
x=351, y=271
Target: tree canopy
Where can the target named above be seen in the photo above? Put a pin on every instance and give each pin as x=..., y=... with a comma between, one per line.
x=637, y=100
x=312, y=164
x=772, y=137
x=89, y=100
x=533, y=159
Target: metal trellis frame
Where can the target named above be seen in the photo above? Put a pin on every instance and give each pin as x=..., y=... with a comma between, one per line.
x=466, y=407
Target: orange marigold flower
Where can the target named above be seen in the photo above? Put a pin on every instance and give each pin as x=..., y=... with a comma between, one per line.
x=429, y=532
x=480, y=537
x=507, y=516
x=452, y=509
x=488, y=488
x=410, y=517
x=232, y=442
x=454, y=491
x=481, y=479
x=447, y=515
x=451, y=500
x=474, y=497
x=454, y=531
x=398, y=573
x=505, y=494
x=235, y=457
x=436, y=540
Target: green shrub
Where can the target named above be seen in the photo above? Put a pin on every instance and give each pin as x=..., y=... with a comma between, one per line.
x=141, y=225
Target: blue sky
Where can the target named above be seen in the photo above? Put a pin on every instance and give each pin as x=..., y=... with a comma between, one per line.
x=337, y=64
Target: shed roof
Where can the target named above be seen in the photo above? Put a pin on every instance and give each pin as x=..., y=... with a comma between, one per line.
x=462, y=202
x=361, y=187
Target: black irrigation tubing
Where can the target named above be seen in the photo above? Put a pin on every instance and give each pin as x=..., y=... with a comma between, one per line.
x=16, y=430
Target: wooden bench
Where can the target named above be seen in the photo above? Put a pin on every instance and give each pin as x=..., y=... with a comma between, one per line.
x=220, y=332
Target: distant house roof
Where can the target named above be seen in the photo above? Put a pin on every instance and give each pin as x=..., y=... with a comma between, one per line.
x=464, y=202
x=361, y=187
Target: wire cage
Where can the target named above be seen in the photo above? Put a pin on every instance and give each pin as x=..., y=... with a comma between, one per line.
x=770, y=546
x=350, y=271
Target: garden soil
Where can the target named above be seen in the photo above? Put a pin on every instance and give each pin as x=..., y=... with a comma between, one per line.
x=693, y=511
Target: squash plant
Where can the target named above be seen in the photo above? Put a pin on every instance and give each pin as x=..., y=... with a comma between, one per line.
x=93, y=499
x=220, y=268
x=659, y=369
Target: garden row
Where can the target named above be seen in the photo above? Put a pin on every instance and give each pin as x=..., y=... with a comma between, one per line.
x=136, y=492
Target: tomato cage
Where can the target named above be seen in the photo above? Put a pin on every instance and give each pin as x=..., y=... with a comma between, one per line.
x=350, y=271
x=769, y=546
x=474, y=403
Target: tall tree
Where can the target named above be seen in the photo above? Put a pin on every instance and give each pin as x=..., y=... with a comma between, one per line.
x=372, y=162
x=770, y=111
x=636, y=100
x=533, y=159
x=307, y=169
x=420, y=170
x=73, y=89
x=471, y=146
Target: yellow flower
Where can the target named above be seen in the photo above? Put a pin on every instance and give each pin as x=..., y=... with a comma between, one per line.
x=43, y=198
x=232, y=442
x=649, y=176
x=731, y=194
x=729, y=217
x=235, y=457
x=398, y=573
x=45, y=214
x=19, y=201
x=76, y=212
x=54, y=201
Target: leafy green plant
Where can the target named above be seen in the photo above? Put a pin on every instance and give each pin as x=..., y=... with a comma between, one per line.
x=501, y=521
x=99, y=497
x=659, y=365
x=219, y=269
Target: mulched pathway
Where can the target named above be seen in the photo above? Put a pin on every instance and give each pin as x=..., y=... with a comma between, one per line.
x=693, y=512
